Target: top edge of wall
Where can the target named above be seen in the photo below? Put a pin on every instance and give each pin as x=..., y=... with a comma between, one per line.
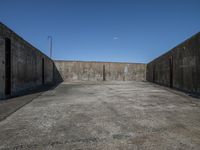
x=98, y=62
x=12, y=32
x=172, y=49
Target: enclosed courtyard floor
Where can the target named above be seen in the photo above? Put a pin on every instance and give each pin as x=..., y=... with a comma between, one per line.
x=106, y=116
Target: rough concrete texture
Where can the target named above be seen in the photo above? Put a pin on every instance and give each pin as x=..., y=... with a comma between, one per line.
x=185, y=70
x=9, y=106
x=94, y=71
x=106, y=116
x=26, y=64
x=2, y=68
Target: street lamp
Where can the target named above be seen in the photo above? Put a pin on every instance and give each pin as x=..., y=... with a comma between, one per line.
x=50, y=45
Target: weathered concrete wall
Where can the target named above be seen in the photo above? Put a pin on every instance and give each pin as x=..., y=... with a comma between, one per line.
x=26, y=64
x=185, y=69
x=2, y=67
x=94, y=71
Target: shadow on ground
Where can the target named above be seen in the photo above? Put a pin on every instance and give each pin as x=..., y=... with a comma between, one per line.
x=11, y=105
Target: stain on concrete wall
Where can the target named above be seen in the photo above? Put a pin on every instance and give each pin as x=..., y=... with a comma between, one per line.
x=26, y=64
x=94, y=71
x=179, y=68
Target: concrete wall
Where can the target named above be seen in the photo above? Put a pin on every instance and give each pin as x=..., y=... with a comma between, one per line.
x=26, y=64
x=93, y=71
x=26, y=67
x=2, y=68
x=185, y=66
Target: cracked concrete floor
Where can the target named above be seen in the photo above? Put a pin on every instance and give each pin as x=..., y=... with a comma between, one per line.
x=105, y=115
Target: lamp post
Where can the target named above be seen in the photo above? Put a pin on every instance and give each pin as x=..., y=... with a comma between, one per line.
x=50, y=45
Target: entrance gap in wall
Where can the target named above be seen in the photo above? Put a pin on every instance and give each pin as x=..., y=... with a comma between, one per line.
x=53, y=78
x=7, y=66
x=104, y=73
x=153, y=74
x=171, y=71
x=43, y=78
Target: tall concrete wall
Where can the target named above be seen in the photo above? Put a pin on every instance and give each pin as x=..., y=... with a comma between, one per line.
x=94, y=71
x=26, y=64
x=2, y=67
x=184, y=72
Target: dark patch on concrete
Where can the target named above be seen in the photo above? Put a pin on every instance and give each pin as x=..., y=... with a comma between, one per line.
x=120, y=136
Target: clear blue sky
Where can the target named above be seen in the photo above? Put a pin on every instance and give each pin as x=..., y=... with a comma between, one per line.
x=103, y=30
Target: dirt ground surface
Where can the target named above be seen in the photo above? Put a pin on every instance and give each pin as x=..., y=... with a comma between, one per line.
x=105, y=116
